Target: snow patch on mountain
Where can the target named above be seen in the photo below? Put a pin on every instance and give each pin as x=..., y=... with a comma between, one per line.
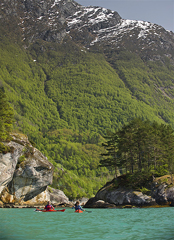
x=55, y=2
x=127, y=27
x=90, y=16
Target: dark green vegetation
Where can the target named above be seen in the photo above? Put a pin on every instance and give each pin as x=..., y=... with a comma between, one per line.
x=6, y=116
x=140, y=181
x=65, y=98
x=6, y=120
x=140, y=150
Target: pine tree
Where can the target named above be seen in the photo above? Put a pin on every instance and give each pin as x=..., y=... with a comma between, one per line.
x=127, y=146
x=112, y=157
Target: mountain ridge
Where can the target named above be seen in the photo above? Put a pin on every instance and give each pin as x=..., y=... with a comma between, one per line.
x=65, y=15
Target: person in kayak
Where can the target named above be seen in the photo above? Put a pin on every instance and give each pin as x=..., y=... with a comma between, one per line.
x=48, y=207
x=77, y=206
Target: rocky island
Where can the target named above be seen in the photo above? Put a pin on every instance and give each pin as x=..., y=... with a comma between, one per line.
x=160, y=193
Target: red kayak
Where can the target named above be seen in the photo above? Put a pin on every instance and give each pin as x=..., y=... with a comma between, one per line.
x=79, y=211
x=51, y=210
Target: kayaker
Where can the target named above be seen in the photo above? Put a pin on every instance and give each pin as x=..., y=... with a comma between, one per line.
x=49, y=206
x=77, y=206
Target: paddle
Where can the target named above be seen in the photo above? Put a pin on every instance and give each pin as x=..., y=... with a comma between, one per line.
x=38, y=210
x=88, y=211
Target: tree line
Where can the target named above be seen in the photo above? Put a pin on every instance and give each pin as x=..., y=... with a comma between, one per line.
x=140, y=146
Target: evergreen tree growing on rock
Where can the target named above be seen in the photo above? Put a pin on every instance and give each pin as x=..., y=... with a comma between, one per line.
x=142, y=146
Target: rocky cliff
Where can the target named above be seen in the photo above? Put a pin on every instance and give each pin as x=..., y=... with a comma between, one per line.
x=25, y=175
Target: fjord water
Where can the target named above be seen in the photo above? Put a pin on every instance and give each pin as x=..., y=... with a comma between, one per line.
x=99, y=224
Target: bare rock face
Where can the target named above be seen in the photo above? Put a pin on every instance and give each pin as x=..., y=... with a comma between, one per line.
x=25, y=173
x=9, y=160
x=121, y=197
x=41, y=199
x=37, y=19
x=159, y=192
x=170, y=195
x=32, y=177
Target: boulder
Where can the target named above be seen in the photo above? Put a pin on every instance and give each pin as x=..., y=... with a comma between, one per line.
x=57, y=197
x=94, y=203
x=83, y=201
x=90, y=203
x=158, y=191
x=170, y=196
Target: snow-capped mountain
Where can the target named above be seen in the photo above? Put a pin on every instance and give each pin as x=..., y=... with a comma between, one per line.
x=54, y=20
x=108, y=28
x=84, y=56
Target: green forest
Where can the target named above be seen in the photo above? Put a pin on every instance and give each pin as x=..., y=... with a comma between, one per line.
x=66, y=99
x=140, y=146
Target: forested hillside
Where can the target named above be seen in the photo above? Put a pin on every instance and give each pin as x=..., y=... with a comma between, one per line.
x=67, y=97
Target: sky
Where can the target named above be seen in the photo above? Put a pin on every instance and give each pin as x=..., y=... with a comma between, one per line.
x=160, y=12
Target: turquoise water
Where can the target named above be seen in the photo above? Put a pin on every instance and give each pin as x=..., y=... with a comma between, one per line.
x=115, y=224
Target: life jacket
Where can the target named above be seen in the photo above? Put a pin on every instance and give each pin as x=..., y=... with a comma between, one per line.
x=48, y=207
x=77, y=207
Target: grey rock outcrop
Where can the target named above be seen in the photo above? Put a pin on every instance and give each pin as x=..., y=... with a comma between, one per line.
x=170, y=196
x=9, y=160
x=8, y=164
x=121, y=197
x=83, y=201
x=57, y=196
x=160, y=193
x=32, y=177
x=25, y=172
x=25, y=176
x=36, y=19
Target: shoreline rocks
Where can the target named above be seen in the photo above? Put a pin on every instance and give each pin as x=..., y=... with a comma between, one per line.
x=57, y=197
x=159, y=195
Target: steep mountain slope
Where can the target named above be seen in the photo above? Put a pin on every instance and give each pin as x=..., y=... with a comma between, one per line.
x=65, y=66
x=110, y=29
